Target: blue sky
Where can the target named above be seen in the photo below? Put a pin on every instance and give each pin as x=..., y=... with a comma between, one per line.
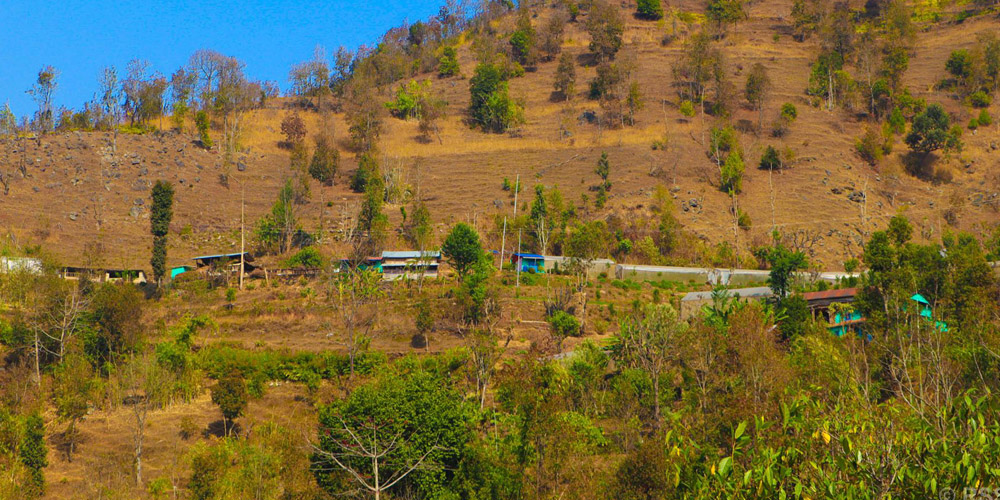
x=79, y=37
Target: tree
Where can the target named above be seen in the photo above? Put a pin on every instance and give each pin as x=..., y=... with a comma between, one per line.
x=758, y=88
x=770, y=160
x=649, y=9
x=144, y=387
x=606, y=27
x=448, y=63
x=325, y=160
x=723, y=13
x=34, y=454
x=110, y=102
x=551, y=37
x=117, y=316
x=604, y=170
x=784, y=264
x=294, y=129
x=462, y=248
x=182, y=85
x=357, y=298
x=159, y=225
x=143, y=94
x=311, y=78
x=203, y=123
x=648, y=340
x=373, y=224
x=565, y=82
x=8, y=122
x=491, y=106
x=932, y=131
x=42, y=91
x=276, y=231
x=523, y=41
x=392, y=432
x=71, y=395
x=230, y=394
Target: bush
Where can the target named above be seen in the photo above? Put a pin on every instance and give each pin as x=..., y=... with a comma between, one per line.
x=897, y=122
x=649, y=9
x=202, y=123
x=491, y=106
x=448, y=63
x=564, y=324
x=770, y=160
x=985, y=120
x=973, y=124
x=871, y=146
x=731, y=180
x=789, y=112
x=980, y=99
x=308, y=257
x=687, y=108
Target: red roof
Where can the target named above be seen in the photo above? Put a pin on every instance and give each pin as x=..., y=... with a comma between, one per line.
x=840, y=293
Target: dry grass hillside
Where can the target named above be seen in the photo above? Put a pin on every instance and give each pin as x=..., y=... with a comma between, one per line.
x=73, y=192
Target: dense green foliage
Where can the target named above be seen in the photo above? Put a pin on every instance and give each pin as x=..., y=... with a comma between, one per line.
x=462, y=248
x=649, y=9
x=159, y=221
x=491, y=106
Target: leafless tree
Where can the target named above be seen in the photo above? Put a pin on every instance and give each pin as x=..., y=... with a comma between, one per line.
x=367, y=452
x=43, y=89
x=356, y=295
x=143, y=386
x=110, y=99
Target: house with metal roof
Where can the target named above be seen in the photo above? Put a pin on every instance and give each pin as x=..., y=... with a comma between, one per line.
x=528, y=262
x=410, y=264
x=834, y=306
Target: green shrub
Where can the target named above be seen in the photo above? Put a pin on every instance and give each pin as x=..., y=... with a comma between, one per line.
x=687, y=108
x=897, y=122
x=649, y=9
x=985, y=120
x=980, y=99
x=308, y=257
x=448, y=62
x=973, y=124
x=564, y=324
x=770, y=160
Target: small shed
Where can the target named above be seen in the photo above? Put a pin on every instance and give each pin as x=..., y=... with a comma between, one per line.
x=692, y=303
x=528, y=262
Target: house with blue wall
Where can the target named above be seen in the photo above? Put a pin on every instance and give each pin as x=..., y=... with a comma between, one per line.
x=528, y=262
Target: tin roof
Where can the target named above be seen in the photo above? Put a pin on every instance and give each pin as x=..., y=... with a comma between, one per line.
x=528, y=255
x=840, y=293
x=410, y=254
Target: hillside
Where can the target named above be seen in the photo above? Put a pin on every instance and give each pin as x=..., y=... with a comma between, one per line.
x=76, y=193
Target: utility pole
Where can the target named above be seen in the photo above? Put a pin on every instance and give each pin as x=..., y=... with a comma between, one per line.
x=518, y=260
x=503, y=243
x=517, y=187
x=243, y=205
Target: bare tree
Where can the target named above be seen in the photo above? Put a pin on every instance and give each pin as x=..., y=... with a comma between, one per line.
x=485, y=351
x=369, y=454
x=63, y=318
x=110, y=100
x=143, y=387
x=43, y=89
x=649, y=341
x=357, y=294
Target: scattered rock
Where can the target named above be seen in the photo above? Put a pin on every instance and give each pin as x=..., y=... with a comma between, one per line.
x=241, y=166
x=73, y=215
